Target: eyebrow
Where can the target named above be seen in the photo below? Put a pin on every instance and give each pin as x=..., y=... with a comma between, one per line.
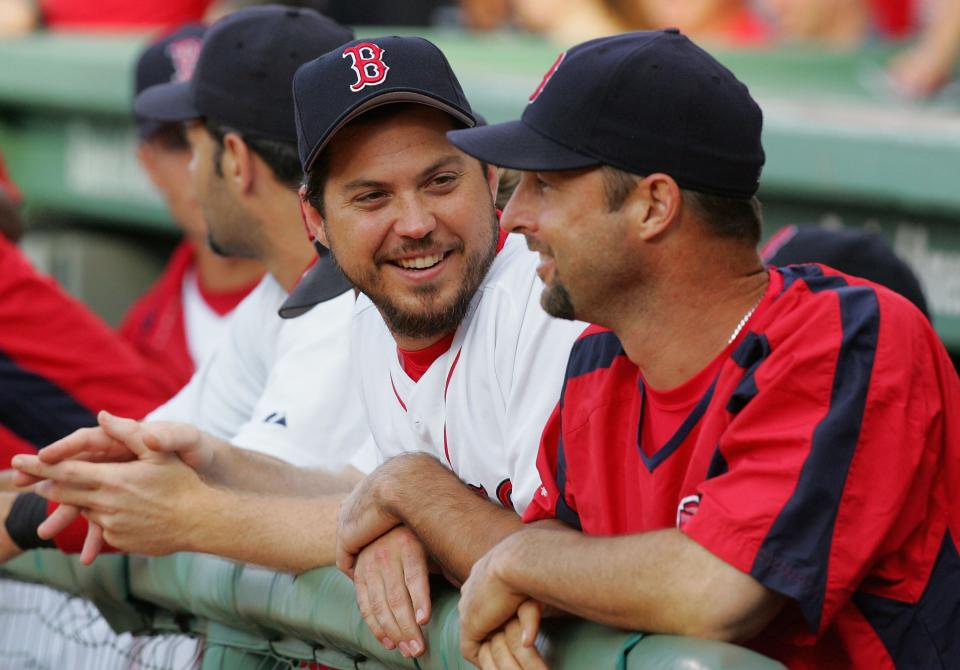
x=372, y=183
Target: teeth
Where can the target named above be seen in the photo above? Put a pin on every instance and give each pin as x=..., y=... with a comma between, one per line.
x=420, y=262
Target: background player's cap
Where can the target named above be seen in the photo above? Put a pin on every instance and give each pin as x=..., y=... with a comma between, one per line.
x=339, y=86
x=643, y=102
x=243, y=75
x=324, y=280
x=854, y=252
x=170, y=59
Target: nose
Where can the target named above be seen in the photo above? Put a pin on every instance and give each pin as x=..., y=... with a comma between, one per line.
x=518, y=215
x=414, y=219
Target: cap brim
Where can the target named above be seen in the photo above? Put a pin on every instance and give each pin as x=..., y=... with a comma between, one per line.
x=516, y=145
x=166, y=102
x=387, y=98
x=321, y=283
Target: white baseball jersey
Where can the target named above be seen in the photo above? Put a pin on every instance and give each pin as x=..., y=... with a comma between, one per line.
x=204, y=326
x=481, y=406
x=280, y=387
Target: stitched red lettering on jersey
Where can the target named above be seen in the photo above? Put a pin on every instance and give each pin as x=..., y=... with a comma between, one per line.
x=547, y=76
x=368, y=63
x=504, y=493
x=479, y=490
x=184, y=54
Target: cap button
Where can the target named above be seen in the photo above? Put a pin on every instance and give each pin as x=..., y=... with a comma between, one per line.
x=672, y=31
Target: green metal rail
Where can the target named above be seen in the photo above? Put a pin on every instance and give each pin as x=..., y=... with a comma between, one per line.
x=253, y=618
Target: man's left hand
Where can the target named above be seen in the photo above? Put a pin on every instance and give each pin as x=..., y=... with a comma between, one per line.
x=369, y=512
x=487, y=603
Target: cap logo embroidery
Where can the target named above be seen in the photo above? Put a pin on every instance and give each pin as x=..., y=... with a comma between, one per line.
x=546, y=77
x=368, y=63
x=183, y=56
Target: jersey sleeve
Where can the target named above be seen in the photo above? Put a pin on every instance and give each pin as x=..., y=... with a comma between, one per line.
x=552, y=499
x=221, y=395
x=826, y=449
x=539, y=365
x=310, y=413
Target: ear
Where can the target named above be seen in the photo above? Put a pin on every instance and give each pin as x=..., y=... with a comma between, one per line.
x=237, y=162
x=147, y=157
x=493, y=181
x=654, y=205
x=312, y=220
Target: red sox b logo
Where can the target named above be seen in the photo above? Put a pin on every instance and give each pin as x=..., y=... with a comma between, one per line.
x=546, y=77
x=368, y=63
x=183, y=56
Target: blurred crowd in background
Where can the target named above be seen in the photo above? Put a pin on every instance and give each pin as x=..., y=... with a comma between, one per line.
x=929, y=29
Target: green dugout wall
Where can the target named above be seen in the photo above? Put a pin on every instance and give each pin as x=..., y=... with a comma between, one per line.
x=252, y=618
x=842, y=150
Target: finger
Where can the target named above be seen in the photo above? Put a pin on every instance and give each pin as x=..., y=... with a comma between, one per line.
x=345, y=560
x=382, y=609
x=484, y=659
x=22, y=480
x=500, y=653
x=77, y=442
x=527, y=656
x=72, y=472
x=529, y=616
x=416, y=575
x=127, y=431
x=70, y=494
x=92, y=544
x=57, y=522
x=469, y=647
x=402, y=608
x=170, y=437
x=363, y=603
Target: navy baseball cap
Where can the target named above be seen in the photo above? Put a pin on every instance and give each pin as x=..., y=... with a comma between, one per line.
x=854, y=252
x=341, y=85
x=242, y=78
x=172, y=58
x=642, y=102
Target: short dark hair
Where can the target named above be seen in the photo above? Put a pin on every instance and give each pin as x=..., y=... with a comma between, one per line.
x=280, y=157
x=726, y=216
x=169, y=136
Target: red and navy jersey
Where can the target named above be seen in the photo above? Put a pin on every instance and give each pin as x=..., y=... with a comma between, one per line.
x=820, y=458
x=59, y=364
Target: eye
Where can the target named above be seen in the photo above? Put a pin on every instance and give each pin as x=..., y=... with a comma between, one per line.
x=443, y=181
x=370, y=197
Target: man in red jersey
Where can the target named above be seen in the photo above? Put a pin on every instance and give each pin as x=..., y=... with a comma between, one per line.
x=774, y=449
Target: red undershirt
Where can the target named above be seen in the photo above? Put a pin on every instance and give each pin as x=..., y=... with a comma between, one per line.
x=416, y=362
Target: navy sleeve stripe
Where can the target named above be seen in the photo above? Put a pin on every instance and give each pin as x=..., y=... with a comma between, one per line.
x=794, y=556
x=593, y=352
x=35, y=408
x=564, y=512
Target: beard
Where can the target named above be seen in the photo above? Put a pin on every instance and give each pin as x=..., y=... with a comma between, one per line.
x=556, y=301
x=432, y=318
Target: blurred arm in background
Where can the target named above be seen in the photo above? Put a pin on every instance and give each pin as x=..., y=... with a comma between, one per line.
x=928, y=65
x=17, y=17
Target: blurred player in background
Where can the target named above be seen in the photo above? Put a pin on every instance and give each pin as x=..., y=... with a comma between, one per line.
x=280, y=388
x=186, y=312
x=777, y=450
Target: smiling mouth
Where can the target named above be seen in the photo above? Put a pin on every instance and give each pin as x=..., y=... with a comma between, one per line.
x=419, y=262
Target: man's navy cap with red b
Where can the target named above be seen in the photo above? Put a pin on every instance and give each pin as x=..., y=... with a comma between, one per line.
x=170, y=59
x=242, y=78
x=642, y=102
x=337, y=87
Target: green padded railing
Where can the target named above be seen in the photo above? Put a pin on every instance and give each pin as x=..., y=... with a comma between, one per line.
x=251, y=617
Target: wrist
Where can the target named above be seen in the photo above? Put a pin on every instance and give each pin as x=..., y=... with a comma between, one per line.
x=397, y=478
x=204, y=507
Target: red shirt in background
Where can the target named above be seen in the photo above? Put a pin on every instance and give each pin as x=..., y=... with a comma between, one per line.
x=120, y=14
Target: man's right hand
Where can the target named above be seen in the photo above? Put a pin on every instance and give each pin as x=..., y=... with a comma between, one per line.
x=117, y=440
x=393, y=590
